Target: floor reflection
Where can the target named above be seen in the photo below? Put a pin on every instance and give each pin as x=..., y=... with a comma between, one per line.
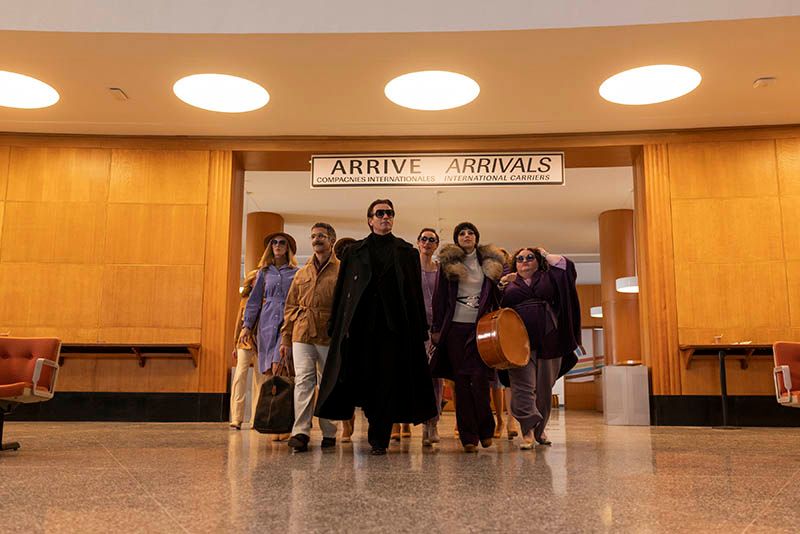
x=207, y=478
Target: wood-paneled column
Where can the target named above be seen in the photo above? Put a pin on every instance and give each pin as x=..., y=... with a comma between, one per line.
x=620, y=310
x=221, y=270
x=656, y=268
x=259, y=225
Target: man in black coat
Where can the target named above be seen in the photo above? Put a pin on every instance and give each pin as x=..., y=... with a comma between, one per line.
x=378, y=329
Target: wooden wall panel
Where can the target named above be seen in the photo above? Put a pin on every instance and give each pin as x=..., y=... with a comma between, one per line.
x=580, y=395
x=221, y=274
x=658, y=323
x=152, y=296
x=159, y=176
x=733, y=231
x=703, y=377
x=729, y=299
x=726, y=230
x=4, y=158
x=51, y=295
x=162, y=234
x=67, y=333
x=53, y=232
x=789, y=166
x=59, y=174
x=166, y=376
x=589, y=296
x=148, y=334
x=76, y=265
x=722, y=170
x=120, y=375
x=793, y=283
x=77, y=375
x=790, y=213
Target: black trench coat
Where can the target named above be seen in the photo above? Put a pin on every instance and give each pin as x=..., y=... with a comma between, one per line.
x=339, y=389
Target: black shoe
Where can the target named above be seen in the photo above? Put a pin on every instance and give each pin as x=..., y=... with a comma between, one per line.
x=378, y=451
x=299, y=442
x=328, y=443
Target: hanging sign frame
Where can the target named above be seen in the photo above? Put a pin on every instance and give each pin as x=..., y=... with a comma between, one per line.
x=437, y=170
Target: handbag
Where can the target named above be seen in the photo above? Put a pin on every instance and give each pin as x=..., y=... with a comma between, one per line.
x=275, y=409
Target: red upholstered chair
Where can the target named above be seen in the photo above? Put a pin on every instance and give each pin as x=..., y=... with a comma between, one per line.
x=787, y=373
x=28, y=373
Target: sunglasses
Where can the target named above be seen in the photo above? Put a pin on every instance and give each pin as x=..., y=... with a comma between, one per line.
x=529, y=257
x=380, y=213
x=278, y=242
x=426, y=239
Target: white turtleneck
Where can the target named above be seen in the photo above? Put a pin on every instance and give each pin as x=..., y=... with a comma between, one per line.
x=469, y=287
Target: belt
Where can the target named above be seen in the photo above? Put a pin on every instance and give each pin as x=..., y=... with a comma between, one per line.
x=470, y=302
x=552, y=324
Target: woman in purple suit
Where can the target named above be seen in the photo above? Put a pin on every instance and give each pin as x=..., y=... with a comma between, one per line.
x=466, y=290
x=541, y=289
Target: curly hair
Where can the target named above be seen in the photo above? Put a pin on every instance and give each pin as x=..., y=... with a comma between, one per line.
x=541, y=262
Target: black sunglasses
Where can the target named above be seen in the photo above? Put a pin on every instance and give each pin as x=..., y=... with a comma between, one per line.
x=426, y=239
x=529, y=257
x=278, y=242
x=380, y=213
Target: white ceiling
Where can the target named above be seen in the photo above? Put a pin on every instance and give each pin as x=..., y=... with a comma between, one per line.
x=561, y=218
x=533, y=81
x=361, y=16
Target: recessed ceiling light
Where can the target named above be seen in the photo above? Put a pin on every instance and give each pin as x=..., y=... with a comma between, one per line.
x=432, y=90
x=221, y=92
x=650, y=84
x=20, y=91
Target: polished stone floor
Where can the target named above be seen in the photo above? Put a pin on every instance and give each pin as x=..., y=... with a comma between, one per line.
x=120, y=477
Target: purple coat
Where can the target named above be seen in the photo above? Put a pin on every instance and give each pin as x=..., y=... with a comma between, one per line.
x=564, y=305
x=265, y=305
x=451, y=264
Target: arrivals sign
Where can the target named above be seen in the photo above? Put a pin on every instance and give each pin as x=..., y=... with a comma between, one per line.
x=438, y=170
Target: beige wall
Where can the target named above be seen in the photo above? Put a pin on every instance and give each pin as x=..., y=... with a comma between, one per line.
x=113, y=245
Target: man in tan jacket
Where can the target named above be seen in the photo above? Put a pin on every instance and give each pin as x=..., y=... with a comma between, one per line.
x=305, y=333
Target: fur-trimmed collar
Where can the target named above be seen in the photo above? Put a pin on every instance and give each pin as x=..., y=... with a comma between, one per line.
x=451, y=260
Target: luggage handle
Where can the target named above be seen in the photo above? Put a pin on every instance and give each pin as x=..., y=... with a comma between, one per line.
x=283, y=367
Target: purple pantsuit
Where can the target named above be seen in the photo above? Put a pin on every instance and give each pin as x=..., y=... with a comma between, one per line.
x=537, y=303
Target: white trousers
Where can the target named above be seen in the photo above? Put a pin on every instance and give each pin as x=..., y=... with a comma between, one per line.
x=309, y=361
x=244, y=358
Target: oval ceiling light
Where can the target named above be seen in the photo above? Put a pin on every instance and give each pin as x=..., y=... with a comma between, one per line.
x=221, y=92
x=24, y=92
x=432, y=90
x=650, y=85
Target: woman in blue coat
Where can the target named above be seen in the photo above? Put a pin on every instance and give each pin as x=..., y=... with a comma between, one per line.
x=277, y=268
